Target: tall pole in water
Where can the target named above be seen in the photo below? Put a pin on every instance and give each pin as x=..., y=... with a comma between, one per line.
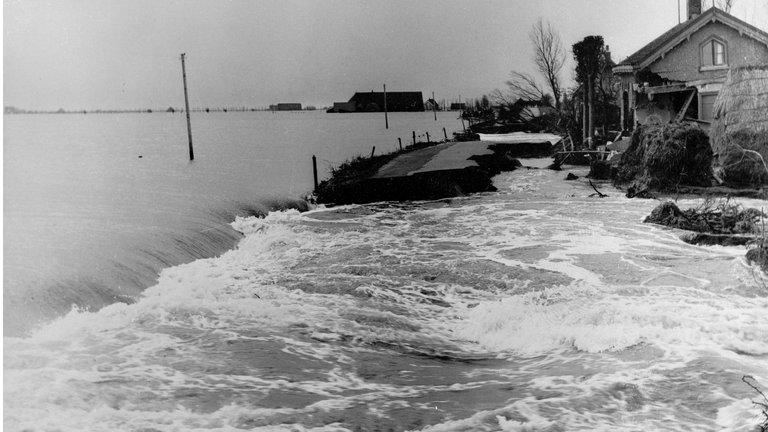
x=433, y=106
x=386, y=119
x=186, y=104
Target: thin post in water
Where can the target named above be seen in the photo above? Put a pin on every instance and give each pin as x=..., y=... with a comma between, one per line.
x=400, y=143
x=434, y=106
x=314, y=169
x=445, y=134
x=414, y=137
x=427, y=137
x=186, y=105
x=386, y=118
x=373, y=150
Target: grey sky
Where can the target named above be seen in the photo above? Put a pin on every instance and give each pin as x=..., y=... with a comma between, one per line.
x=123, y=54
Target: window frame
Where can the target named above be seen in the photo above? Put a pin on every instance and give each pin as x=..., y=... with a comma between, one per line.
x=711, y=41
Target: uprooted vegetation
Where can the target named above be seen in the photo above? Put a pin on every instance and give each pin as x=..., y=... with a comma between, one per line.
x=664, y=157
x=758, y=254
x=718, y=223
x=722, y=217
x=761, y=404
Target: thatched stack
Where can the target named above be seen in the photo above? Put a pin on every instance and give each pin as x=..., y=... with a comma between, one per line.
x=739, y=133
x=663, y=157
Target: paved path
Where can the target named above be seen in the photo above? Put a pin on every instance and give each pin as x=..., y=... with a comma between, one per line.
x=448, y=156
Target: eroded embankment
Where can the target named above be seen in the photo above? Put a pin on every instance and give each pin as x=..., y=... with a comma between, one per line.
x=443, y=171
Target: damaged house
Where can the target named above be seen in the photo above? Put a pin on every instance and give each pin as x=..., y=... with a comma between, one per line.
x=679, y=74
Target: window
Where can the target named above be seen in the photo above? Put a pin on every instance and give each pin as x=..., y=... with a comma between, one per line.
x=713, y=53
x=707, y=106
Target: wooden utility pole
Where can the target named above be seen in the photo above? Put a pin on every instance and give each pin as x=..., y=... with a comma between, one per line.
x=314, y=169
x=386, y=119
x=186, y=104
x=434, y=111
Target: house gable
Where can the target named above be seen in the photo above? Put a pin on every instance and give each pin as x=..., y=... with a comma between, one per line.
x=660, y=47
x=687, y=61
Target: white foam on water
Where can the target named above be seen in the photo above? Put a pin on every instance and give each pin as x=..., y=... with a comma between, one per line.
x=556, y=288
x=739, y=416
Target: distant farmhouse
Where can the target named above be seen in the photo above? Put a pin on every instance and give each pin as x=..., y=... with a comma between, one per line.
x=679, y=74
x=374, y=102
x=286, y=107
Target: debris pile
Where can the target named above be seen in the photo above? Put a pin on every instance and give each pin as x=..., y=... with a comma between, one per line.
x=663, y=157
x=722, y=218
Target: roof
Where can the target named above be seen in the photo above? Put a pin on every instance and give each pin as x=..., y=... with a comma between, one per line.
x=672, y=37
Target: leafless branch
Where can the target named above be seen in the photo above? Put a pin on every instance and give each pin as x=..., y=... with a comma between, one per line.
x=524, y=86
x=548, y=55
x=763, y=406
x=501, y=98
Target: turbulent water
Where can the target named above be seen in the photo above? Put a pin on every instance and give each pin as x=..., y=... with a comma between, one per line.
x=96, y=205
x=533, y=308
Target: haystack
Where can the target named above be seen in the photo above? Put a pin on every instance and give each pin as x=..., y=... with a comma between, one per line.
x=662, y=157
x=739, y=133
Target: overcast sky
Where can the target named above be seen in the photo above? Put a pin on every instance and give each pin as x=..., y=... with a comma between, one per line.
x=88, y=54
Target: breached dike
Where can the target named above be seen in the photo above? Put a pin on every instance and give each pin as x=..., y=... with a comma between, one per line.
x=441, y=171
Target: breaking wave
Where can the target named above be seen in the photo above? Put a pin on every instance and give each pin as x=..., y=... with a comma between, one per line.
x=535, y=308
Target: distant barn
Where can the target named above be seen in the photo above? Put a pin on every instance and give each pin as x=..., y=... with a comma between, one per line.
x=374, y=102
x=286, y=107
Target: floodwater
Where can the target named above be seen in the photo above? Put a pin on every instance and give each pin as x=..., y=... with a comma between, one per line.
x=533, y=308
x=96, y=205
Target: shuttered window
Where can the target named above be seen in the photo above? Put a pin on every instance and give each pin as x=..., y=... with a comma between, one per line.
x=706, y=106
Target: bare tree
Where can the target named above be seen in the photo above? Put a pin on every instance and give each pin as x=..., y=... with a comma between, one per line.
x=499, y=97
x=524, y=86
x=549, y=56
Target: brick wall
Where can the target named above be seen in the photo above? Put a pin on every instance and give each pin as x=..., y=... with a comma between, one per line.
x=683, y=62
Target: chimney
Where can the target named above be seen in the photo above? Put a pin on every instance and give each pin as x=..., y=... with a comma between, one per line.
x=694, y=9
